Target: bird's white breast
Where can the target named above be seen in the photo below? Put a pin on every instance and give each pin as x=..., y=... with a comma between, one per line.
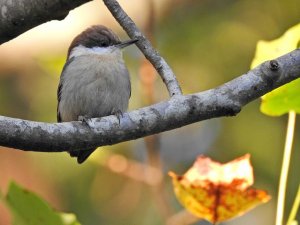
x=93, y=85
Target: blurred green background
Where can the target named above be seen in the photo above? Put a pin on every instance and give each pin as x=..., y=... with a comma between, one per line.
x=206, y=42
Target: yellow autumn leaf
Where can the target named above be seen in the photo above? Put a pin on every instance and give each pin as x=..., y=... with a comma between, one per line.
x=218, y=192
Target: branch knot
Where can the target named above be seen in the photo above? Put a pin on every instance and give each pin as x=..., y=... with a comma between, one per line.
x=273, y=65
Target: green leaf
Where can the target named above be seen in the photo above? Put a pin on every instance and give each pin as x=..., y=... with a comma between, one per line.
x=282, y=100
x=266, y=50
x=286, y=98
x=29, y=209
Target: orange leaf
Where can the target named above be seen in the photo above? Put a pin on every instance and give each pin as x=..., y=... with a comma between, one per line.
x=218, y=192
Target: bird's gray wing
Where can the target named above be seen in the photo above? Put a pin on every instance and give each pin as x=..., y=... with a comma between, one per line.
x=69, y=61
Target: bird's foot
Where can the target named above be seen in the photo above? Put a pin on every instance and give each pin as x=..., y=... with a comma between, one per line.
x=85, y=120
x=118, y=113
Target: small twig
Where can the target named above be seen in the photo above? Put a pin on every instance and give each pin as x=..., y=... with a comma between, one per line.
x=145, y=46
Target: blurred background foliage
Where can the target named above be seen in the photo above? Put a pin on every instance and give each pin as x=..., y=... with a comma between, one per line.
x=207, y=43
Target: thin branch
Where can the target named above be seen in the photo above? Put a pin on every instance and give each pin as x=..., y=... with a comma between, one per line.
x=181, y=110
x=145, y=46
x=19, y=16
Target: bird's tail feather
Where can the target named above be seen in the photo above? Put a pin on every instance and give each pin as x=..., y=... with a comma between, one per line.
x=82, y=155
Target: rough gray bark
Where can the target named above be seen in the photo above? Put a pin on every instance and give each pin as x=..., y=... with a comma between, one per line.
x=18, y=16
x=180, y=110
x=145, y=46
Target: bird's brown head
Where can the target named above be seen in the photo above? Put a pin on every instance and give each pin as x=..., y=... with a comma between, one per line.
x=95, y=36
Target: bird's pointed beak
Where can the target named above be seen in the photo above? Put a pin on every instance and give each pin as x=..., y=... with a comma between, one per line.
x=126, y=43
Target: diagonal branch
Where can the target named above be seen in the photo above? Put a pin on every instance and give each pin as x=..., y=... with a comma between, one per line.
x=145, y=46
x=19, y=16
x=181, y=110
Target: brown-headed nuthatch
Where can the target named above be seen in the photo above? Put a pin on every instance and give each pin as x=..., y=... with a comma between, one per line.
x=95, y=81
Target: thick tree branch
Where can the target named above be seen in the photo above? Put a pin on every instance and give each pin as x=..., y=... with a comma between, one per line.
x=19, y=16
x=225, y=100
x=145, y=46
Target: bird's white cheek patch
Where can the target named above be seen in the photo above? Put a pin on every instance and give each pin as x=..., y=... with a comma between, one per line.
x=102, y=50
x=81, y=50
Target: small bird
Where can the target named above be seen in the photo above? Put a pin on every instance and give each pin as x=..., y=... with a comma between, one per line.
x=94, y=81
